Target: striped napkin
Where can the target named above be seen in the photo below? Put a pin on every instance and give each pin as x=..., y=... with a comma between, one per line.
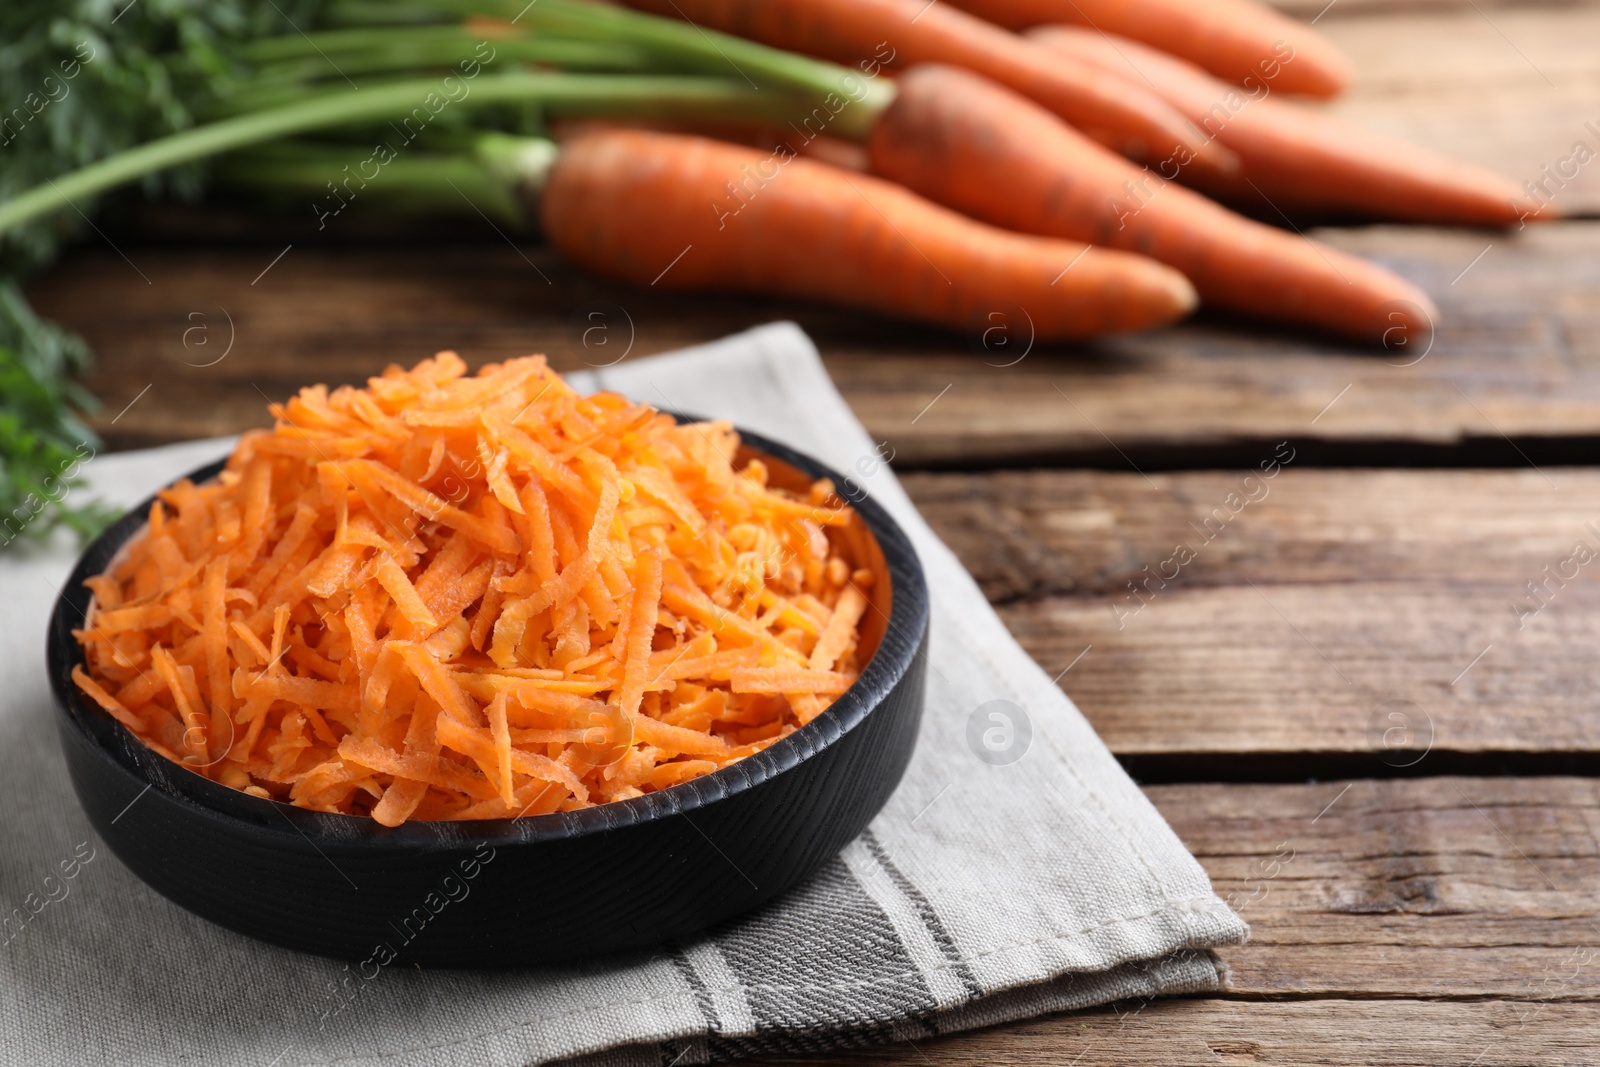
x=1016, y=871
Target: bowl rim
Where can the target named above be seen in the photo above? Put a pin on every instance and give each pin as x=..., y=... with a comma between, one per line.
x=904, y=636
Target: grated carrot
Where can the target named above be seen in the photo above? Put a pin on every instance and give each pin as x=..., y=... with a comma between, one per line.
x=445, y=596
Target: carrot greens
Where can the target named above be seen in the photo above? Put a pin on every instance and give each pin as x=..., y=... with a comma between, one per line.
x=159, y=93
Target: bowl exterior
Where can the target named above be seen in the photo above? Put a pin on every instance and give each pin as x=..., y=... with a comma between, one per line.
x=612, y=878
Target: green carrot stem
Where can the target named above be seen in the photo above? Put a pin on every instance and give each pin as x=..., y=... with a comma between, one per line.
x=280, y=82
x=330, y=43
x=458, y=181
x=704, y=51
x=405, y=50
x=567, y=93
x=328, y=53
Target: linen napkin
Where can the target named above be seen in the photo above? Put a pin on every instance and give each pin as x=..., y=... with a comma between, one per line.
x=1017, y=870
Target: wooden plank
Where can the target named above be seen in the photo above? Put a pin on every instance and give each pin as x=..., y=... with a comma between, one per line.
x=334, y=313
x=1436, y=921
x=1516, y=352
x=1298, y=616
x=1431, y=887
x=1510, y=358
x=1028, y=535
x=1208, y=1032
x=1311, y=670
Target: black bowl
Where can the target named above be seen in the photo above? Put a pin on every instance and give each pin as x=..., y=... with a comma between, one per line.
x=546, y=888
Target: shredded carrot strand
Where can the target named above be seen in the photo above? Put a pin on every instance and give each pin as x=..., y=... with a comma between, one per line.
x=445, y=596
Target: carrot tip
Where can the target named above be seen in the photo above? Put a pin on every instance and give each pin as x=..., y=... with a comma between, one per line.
x=1185, y=297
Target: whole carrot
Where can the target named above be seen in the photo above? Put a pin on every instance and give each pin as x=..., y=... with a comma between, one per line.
x=1234, y=39
x=687, y=213
x=982, y=149
x=1296, y=160
x=1130, y=119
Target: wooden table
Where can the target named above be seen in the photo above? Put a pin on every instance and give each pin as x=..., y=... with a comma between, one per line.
x=1375, y=734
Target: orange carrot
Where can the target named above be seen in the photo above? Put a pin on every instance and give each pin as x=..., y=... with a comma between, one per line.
x=898, y=33
x=1297, y=160
x=1237, y=40
x=692, y=214
x=979, y=148
x=824, y=147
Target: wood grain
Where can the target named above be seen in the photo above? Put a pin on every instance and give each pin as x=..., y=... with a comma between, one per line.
x=1432, y=887
x=1516, y=353
x=1208, y=1032
x=1027, y=535
x=1304, y=611
x=1439, y=921
x=1394, y=922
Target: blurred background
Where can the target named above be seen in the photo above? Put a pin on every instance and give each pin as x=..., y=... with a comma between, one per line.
x=214, y=290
